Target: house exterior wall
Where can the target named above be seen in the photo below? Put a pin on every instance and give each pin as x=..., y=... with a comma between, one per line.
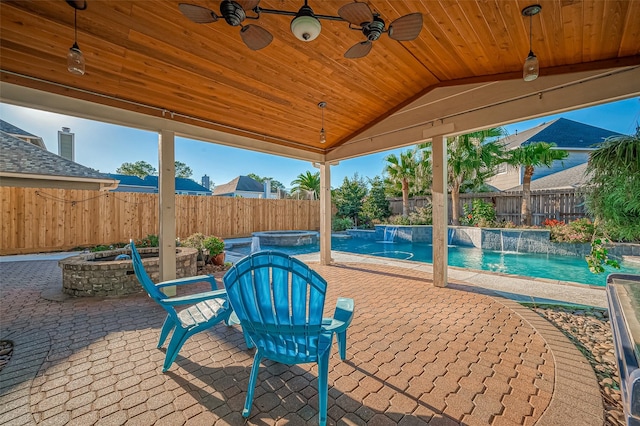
x=506, y=180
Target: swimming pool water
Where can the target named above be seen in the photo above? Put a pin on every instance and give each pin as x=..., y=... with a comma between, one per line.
x=564, y=268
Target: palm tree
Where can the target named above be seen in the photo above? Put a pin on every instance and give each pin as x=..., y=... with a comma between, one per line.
x=402, y=170
x=531, y=156
x=471, y=160
x=308, y=183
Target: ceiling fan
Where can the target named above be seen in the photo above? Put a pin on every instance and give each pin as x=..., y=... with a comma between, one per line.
x=234, y=13
x=306, y=25
x=361, y=18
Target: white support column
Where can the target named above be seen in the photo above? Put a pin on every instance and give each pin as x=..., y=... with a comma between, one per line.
x=167, y=206
x=440, y=210
x=325, y=213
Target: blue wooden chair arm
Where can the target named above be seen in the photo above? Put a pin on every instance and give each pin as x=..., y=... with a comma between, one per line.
x=190, y=280
x=341, y=318
x=195, y=298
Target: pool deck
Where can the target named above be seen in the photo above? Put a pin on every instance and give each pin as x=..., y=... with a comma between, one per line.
x=417, y=354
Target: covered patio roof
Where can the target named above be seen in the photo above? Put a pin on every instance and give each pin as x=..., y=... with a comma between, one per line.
x=464, y=70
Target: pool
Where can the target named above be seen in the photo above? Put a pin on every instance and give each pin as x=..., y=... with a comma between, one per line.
x=563, y=268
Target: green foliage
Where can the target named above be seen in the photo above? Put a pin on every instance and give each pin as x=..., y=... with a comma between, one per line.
x=598, y=258
x=182, y=170
x=408, y=175
x=195, y=241
x=275, y=184
x=307, y=183
x=213, y=245
x=481, y=213
x=349, y=198
x=399, y=220
x=578, y=231
x=614, y=184
x=151, y=240
x=341, y=223
x=421, y=216
x=139, y=168
x=376, y=206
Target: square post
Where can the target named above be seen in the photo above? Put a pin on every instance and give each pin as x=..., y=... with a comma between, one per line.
x=440, y=210
x=167, y=207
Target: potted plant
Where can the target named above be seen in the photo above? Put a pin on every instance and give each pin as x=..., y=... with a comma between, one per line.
x=215, y=247
x=196, y=241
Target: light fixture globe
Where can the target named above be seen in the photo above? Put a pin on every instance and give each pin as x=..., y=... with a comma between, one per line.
x=75, y=60
x=305, y=26
x=531, y=68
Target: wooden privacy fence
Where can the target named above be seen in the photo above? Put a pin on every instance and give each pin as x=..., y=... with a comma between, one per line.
x=565, y=205
x=40, y=220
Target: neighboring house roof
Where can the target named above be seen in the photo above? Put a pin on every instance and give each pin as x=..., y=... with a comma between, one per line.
x=21, y=134
x=239, y=184
x=565, y=133
x=574, y=177
x=151, y=183
x=23, y=163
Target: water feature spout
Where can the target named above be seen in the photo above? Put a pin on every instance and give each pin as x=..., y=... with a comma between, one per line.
x=390, y=233
x=255, y=244
x=450, y=235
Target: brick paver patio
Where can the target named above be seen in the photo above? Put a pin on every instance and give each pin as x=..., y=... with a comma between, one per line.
x=417, y=355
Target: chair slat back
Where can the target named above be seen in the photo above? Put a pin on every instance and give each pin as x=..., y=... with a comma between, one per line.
x=279, y=301
x=143, y=277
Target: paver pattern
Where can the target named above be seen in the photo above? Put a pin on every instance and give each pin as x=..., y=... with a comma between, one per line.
x=417, y=355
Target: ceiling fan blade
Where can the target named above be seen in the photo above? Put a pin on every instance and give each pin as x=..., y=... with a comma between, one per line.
x=359, y=50
x=255, y=37
x=248, y=4
x=198, y=14
x=356, y=13
x=406, y=27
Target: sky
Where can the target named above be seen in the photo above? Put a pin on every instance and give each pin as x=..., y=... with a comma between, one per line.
x=105, y=147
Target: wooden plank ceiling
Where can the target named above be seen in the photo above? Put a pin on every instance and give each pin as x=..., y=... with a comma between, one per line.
x=142, y=54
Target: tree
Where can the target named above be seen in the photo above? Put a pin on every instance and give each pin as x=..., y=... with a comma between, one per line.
x=530, y=156
x=471, y=159
x=402, y=171
x=613, y=191
x=182, y=170
x=376, y=205
x=141, y=169
x=349, y=198
x=275, y=185
x=307, y=183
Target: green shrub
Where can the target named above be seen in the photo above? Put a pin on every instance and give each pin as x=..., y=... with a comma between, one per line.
x=421, y=216
x=195, y=241
x=151, y=240
x=481, y=214
x=399, y=220
x=213, y=245
x=578, y=231
x=341, y=223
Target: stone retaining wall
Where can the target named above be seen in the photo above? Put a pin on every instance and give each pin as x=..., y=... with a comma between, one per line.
x=88, y=275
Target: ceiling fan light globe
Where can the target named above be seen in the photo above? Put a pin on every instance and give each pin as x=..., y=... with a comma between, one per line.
x=531, y=68
x=75, y=60
x=306, y=28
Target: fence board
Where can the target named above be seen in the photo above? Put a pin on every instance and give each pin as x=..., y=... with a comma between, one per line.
x=565, y=205
x=39, y=220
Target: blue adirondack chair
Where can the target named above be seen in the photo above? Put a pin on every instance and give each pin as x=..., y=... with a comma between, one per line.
x=205, y=310
x=279, y=302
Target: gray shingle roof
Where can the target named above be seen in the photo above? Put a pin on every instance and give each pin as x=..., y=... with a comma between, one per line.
x=573, y=177
x=241, y=183
x=563, y=132
x=13, y=130
x=18, y=156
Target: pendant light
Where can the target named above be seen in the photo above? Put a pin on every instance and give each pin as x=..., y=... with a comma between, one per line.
x=531, y=67
x=323, y=134
x=75, y=58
